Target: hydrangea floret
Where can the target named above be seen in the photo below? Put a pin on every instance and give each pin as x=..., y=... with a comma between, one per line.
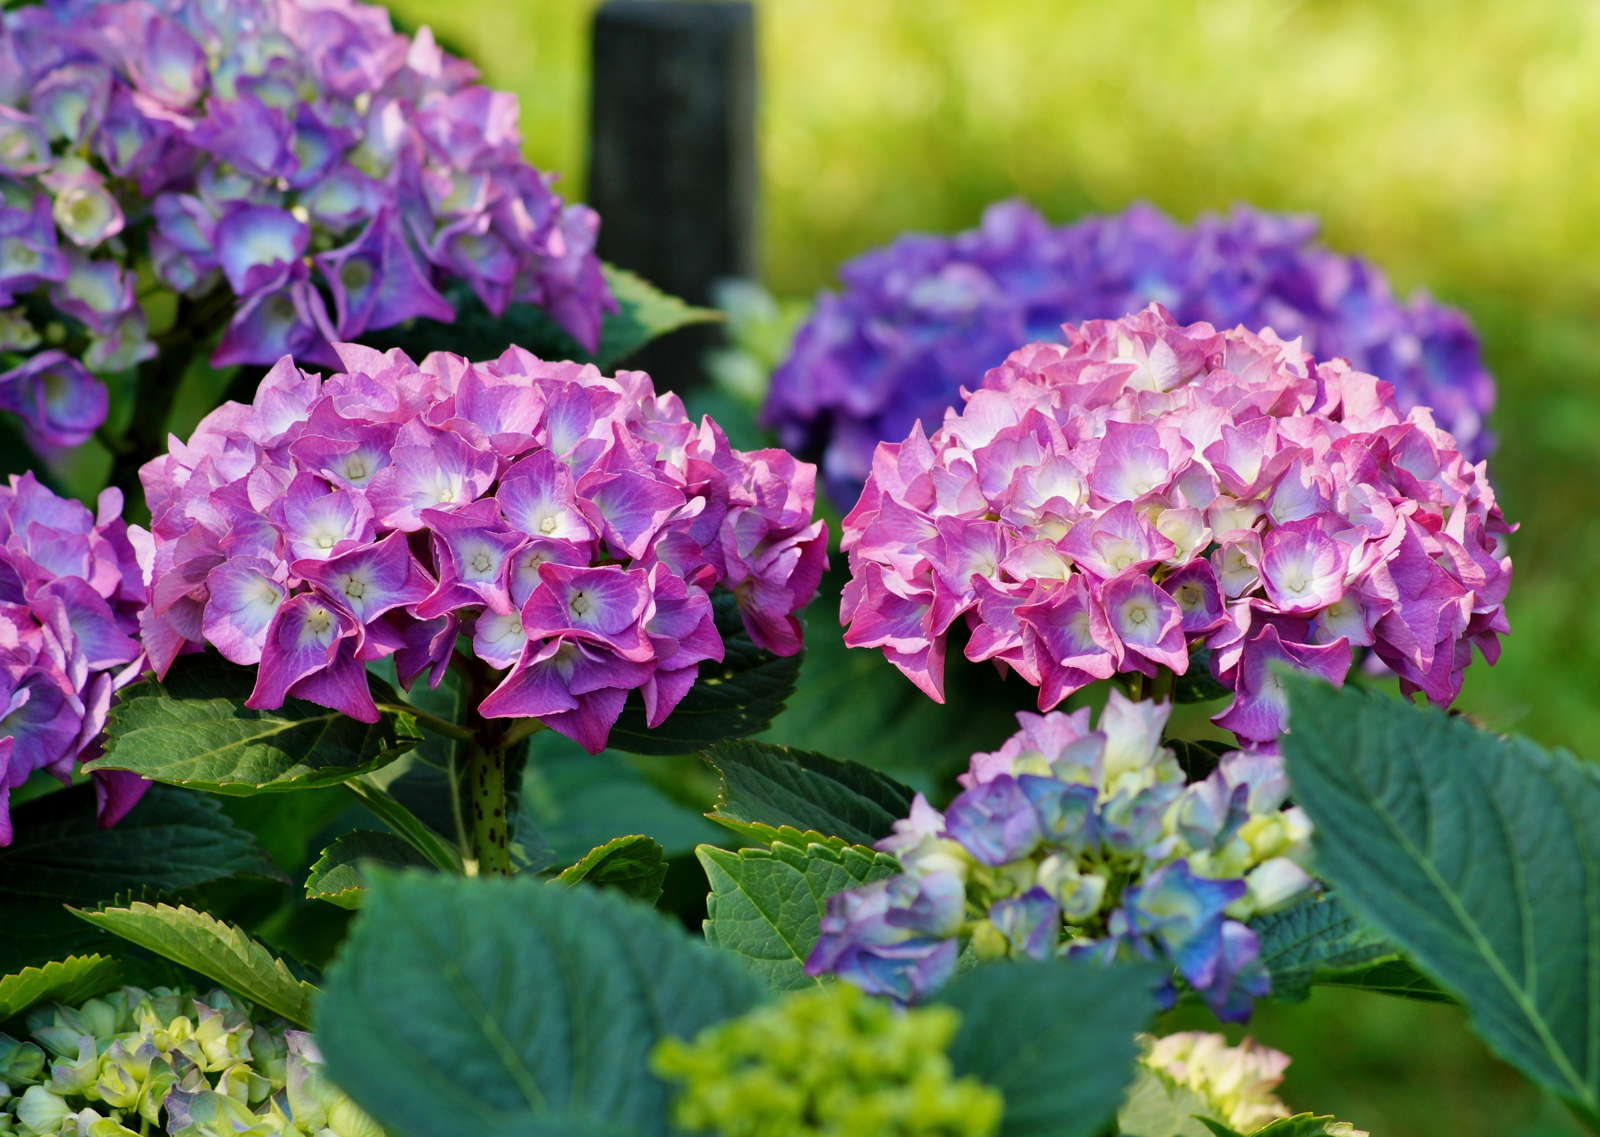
x=828, y=1062
x=919, y=319
x=570, y=527
x=1151, y=498
x=1237, y=1082
x=71, y=589
x=294, y=169
x=1072, y=841
x=166, y=1061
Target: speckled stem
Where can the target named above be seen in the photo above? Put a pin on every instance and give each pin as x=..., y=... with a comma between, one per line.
x=487, y=827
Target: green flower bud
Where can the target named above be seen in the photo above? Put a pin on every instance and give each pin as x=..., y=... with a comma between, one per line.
x=42, y=1111
x=21, y=1063
x=827, y=1061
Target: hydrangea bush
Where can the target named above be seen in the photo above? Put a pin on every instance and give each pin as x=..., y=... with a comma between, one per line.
x=293, y=171
x=71, y=592
x=925, y=316
x=1152, y=498
x=168, y=1061
x=377, y=581
x=1081, y=842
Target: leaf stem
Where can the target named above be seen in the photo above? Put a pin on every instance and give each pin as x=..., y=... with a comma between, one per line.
x=430, y=722
x=405, y=824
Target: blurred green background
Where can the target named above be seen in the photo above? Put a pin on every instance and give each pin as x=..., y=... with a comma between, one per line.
x=1451, y=141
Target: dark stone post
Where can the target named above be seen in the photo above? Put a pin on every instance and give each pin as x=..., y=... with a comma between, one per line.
x=672, y=155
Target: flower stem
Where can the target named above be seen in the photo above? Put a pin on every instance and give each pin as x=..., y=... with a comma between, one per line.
x=487, y=828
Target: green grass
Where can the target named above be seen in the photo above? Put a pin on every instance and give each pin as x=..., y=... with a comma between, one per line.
x=1450, y=141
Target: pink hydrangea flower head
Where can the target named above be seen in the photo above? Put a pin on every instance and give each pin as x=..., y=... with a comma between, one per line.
x=71, y=588
x=1148, y=494
x=571, y=525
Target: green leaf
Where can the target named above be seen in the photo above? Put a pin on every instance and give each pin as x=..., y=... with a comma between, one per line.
x=1158, y=1107
x=171, y=841
x=219, y=951
x=733, y=699
x=644, y=313
x=577, y=801
x=69, y=980
x=193, y=729
x=853, y=704
x=338, y=876
x=1478, y=855
x=765, y=904
x=511, y=1007
x=1300, y=1125
x=634, y=865
x=1318, y=940
x=1055, y=1037
x=774, y=786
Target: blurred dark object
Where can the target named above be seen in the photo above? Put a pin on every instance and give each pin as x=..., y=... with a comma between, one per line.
x=672, y=157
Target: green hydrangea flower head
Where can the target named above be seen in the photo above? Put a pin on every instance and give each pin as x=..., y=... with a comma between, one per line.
x=141, y=1063
x=828, y=1062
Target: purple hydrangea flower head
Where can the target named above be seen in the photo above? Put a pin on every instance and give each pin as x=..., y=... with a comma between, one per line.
x=1080, y=841
x=922, y=318
x=71, y=588
x=572, y=525
x=1148, y=491
x=296, y=166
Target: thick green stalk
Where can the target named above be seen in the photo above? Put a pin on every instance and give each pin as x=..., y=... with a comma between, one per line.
x=488, y=830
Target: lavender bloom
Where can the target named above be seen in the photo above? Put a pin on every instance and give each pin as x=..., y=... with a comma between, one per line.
x=924, y=316
x=573, y=525
x=305, y=170
x=1081, y=842
x=70, y=594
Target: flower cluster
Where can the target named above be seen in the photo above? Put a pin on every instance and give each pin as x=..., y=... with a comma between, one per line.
x=70, y=594
x=573, y=525
x=923, y=317
x=1150, y=493
x=827, y=1062
x=1235, y=1082
x=165, y=1061
x=298, y=165
x=1079, y=842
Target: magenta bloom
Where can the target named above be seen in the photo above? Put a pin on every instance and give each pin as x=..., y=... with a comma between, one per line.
x=299, y=158
x=923, y=317
x=571, y=525
x=1148, y=490
x=70, y=593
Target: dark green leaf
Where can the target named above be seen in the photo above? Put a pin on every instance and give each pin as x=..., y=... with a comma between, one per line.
x=172, y=840
x=1197, y=685
x=193, y=729
x=1478, y=855
x=644, y=313
x=219, y=951
x=1318, y=940
x=774, y=786
x=765, y=904
x=633, y=865
x=507, y=1006
x=1056, y=1038
x=338, y=876
x=733, y=699
x=577, y=801
x=69, y=980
